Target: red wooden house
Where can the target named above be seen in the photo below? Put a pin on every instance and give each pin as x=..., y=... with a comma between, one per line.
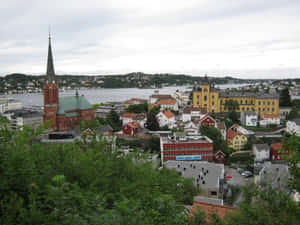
x=219, y=157
x=207, y=120
x=276, y=152
x=131, y=128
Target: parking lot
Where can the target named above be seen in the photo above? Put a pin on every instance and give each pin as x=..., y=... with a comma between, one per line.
x=237, y=179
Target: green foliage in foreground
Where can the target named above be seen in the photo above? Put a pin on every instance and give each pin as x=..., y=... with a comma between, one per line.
x=63, y=184
x=43, y=183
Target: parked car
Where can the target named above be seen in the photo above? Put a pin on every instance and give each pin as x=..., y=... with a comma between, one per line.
x=228, y=176
x=240, y=170
x=247, y=174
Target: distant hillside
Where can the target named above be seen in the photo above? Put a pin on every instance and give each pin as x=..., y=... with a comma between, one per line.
x=21, y=82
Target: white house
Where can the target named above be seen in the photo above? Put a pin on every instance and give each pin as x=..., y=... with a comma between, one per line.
x=293, y=126
x=269, y=119
x=190, y=113
x=166, y=118
x=191, y=128
x=249, y=119
x=182, y=98
x=169, y=103
x=140, y=118
x=261, y=152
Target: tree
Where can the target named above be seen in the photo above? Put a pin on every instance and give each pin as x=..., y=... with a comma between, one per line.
x=113, y=119
x=215, y=135
x=48, y=183
x=292, y=144
x=138, y=108
x=154, y=144
x=152, y=123
x=232, y=105
x=285, y=98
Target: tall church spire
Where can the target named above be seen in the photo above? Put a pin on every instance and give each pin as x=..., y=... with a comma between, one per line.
x=50, y=67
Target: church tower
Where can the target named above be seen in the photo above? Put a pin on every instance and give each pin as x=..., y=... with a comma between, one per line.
x=51, y=98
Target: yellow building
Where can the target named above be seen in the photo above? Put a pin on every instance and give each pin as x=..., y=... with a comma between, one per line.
x=214, y=100
x=236, y=139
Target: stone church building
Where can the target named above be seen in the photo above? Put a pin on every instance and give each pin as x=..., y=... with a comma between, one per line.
x=66, y=112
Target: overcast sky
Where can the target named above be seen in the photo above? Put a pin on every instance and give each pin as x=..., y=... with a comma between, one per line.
x=240, y=38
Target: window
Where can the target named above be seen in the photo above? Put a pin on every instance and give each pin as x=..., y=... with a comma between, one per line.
x=213, y=96
x=213, y=193
x=246, y=102
x=241, y=101
x=221, y=102
x=243, y=108
x=205, y=98
x=197, y=96
x=273, y=110
x=273, y=103
x=268, y=103
x=213, y=103
x=258, y=102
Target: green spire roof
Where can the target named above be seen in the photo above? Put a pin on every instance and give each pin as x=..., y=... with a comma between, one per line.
x=73, y=103
x=50, y=67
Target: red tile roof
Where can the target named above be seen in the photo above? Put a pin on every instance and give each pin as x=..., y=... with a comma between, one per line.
x=205, y=117
x=133, y=124
x=231, y=133
x=271, y=116
x=276, y=146
x=168, y=101
x=210, y=208
x=128, y=115
x=168, y=114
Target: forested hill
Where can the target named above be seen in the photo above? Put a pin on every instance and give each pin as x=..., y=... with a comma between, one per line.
x=20, y=82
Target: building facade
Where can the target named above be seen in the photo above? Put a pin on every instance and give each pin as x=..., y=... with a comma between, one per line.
x=235, y=138
x=64, y=113
x=8, y=104
x=214, y=100
x=182, y=147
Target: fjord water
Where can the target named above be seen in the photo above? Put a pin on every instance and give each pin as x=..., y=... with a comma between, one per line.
x=100, y=95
